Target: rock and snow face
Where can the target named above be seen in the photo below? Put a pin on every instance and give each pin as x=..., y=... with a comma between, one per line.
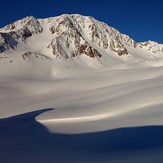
x=85, y=35
x=68, y=36
x=152, y=46
x=19, y=31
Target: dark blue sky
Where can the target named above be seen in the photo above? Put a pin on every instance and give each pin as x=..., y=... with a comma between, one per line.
x=140, y=19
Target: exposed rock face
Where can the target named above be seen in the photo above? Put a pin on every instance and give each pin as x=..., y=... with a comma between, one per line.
x=18, y=31
x=118, y=48
x=89, y=51
x=7, y=42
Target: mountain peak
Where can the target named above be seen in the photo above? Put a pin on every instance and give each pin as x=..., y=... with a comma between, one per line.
x=18, y=24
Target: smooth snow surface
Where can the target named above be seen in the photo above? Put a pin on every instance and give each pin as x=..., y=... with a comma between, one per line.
x=91, y=101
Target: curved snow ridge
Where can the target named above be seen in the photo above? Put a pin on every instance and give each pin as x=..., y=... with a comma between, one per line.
x=102, y=116
x=78, y=119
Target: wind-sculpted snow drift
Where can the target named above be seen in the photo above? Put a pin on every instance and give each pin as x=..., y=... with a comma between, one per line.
x=96, y=79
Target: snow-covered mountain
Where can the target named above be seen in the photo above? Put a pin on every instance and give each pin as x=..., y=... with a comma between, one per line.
x=94, y=78
x=68, y=36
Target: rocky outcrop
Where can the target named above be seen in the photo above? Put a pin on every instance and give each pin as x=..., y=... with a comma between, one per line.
x=89, y=51
x=7, y=42
x=118, y=47
x=28, y=55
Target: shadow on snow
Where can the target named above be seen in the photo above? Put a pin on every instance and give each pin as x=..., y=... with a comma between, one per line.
x=24, y=140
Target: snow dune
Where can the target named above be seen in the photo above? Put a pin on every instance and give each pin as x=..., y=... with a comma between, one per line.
x=87, y=102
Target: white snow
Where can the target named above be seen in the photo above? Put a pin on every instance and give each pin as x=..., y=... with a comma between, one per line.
x=87, y=94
